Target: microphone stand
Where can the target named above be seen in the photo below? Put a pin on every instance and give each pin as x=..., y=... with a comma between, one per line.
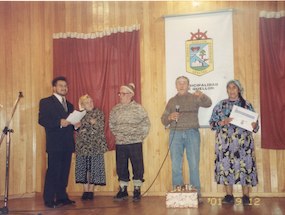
x=6, y=132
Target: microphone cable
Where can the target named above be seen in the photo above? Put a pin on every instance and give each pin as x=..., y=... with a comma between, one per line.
x=168, y=150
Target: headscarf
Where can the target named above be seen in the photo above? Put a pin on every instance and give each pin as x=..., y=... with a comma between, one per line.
x=239, y=86
x=237, y=83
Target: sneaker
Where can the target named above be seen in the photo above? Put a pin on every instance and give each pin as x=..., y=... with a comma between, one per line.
x=245, y=200
x=84, y=196
x=228, y=199
x=122, y=194
x=137, y=194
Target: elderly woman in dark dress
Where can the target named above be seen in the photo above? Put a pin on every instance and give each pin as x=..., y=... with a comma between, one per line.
x=90, y=148
x=234, y=149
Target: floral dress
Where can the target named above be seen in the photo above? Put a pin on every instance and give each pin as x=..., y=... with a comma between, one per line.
x=90, y=148
x=234, y=148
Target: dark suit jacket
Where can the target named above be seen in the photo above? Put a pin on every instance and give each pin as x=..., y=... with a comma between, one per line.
x=57, y=138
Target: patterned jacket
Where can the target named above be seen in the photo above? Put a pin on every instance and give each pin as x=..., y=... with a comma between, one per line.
x=90, y=138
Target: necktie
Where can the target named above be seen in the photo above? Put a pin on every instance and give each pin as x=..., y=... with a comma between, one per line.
x=64, y=104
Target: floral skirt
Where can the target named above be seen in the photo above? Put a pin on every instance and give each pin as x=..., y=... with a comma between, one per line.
x=234, y=158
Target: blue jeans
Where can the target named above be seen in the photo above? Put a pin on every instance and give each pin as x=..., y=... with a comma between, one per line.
x=189, y=140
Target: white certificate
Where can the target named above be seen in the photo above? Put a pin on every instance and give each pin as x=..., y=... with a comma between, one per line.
x=243, y=117
x=75, y=116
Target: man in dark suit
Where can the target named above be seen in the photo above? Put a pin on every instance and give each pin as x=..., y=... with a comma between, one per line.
x=59, y=143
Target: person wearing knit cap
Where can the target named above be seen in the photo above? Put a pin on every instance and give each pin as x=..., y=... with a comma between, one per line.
x=234, y=148
x=130, y=87
x=130, y=125
x=181, y=116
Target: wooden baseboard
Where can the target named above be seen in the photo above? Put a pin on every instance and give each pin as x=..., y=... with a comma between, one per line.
x=109, y=193
x=19, y=196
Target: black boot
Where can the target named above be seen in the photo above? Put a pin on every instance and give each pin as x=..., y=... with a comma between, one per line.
x=84, y=196
x=90, y=195
x=122, y=194
x=245, y=200
x=137, y=194
x=228, y=199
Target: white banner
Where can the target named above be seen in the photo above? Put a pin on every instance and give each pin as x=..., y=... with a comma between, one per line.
x=200, y=47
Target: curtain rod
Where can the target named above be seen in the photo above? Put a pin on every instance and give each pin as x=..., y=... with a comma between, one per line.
x=198, y=13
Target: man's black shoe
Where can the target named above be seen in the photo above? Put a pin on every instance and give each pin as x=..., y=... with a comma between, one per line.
x=50, y=204
x=65, y=202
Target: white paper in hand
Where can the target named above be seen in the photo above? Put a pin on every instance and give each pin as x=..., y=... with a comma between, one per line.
x=76, y=116
x=243, y=117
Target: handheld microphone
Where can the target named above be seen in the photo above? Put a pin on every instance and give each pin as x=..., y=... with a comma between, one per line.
x=177, y=109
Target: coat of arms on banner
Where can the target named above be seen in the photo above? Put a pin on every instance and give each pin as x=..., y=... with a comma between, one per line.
x=199, y=54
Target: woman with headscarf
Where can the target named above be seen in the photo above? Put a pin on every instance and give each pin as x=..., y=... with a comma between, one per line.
x=234, y=148
x=130, y=125
x=90, y=148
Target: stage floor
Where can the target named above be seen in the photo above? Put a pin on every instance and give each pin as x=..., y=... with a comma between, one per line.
x=104, y=205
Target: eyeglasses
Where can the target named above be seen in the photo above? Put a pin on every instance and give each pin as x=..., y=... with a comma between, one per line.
x=122, y=93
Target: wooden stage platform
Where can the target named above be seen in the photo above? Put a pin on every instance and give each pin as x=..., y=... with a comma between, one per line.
x=149, y=205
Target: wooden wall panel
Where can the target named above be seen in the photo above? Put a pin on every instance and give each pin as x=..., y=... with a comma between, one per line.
x=26, y=30
x=3, y=85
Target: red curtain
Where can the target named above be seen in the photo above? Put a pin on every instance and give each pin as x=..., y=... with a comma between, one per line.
x=272, y=79
x=99, y=67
